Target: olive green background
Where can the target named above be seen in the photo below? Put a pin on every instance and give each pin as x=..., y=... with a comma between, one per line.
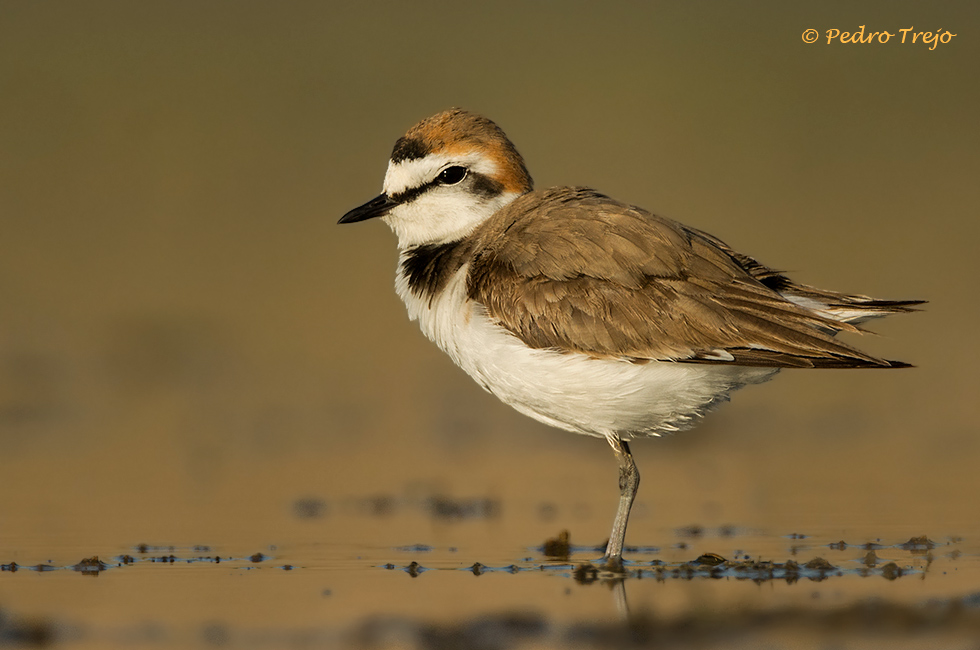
x=187, y=335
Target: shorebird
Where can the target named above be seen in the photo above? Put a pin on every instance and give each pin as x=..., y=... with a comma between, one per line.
x=586, y=313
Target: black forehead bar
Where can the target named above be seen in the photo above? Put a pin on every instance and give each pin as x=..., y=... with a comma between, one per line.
x=409, y=149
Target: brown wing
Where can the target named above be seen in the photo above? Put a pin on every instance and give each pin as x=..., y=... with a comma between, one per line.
x=845, y=307
x=571, y=269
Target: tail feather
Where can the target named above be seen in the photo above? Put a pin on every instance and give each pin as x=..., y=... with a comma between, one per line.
x=841, y=311
x=842, y=307
x=846, y=308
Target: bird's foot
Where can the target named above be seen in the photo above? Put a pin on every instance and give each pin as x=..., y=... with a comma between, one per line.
x=612, y=563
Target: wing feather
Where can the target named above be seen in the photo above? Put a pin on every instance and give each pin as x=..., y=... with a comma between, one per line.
x=571, y=269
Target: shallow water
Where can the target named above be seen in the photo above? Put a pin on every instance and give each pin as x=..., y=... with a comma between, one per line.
x=211, y=388
x=311, y=594
x=250, y=563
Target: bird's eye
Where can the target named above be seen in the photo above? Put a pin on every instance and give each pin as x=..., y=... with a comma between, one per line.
x=451, y=175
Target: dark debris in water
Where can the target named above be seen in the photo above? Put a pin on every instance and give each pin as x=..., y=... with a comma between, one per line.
x=714, y=566
x=586, y=574
x=705, y=566
x=93, y=566
x=710, y=559
x=559, y=547
x=819, y=564
x=90, y=566
x=919, y=545
x=891, y=571
x=415, y=569
x=558, y=551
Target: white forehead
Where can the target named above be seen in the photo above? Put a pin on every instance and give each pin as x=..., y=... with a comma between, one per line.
x=409, y=174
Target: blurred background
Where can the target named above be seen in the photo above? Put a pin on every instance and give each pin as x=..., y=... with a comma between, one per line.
x=189, y=344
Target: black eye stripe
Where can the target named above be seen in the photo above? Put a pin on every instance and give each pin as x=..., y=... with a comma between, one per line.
x=415, y=192
x=410, y=195
x=482, y=185
x=486, y=187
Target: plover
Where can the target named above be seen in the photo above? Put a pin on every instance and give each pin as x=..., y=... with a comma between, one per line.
x=586, y=313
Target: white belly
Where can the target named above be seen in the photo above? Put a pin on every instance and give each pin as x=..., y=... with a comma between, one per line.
x=599, y=397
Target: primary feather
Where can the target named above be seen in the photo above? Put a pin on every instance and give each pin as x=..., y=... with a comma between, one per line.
x=571, y=269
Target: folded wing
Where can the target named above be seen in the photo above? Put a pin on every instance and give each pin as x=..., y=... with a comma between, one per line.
x=571, y=269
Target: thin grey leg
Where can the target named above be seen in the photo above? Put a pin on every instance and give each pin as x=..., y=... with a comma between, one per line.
x=629, y=482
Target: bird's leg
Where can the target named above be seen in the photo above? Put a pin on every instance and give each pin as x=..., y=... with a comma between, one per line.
x=629, y=482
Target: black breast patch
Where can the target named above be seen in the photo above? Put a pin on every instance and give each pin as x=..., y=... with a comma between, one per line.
x=429, y=267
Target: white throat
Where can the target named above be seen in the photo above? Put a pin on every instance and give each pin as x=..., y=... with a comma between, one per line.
x=438, y=218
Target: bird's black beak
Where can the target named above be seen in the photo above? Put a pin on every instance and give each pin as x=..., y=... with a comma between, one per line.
x=376, y=207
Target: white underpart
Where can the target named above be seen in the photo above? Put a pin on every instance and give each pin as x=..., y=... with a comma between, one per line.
x=599, y=397
x=443, y=213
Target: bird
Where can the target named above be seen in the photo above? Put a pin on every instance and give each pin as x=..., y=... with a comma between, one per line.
x=586, y=313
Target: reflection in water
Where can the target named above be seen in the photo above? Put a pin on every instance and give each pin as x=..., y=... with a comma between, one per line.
x=618, y=586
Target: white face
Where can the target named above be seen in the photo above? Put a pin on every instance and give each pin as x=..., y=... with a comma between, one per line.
x=440, y=213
